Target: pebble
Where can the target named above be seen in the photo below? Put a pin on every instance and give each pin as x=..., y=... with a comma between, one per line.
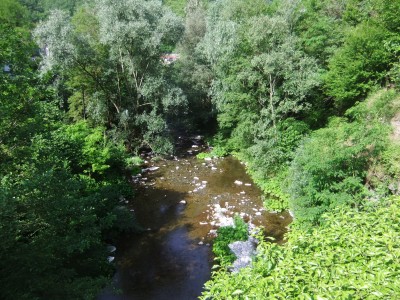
x=182, y=202
x=237, y=182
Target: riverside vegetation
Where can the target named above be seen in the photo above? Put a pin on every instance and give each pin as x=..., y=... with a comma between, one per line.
x=305, y=92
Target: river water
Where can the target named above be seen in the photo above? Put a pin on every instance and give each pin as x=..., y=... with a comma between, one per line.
x=181, y=202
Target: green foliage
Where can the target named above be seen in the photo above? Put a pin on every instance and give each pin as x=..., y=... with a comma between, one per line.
x=107, y=61
x=358, y=66
x=59, y=187
x=203, y=155
x=274, y=149
x=133, y=163
x=177, y=6
x=13, y=13
x=215, y=152
x=274, y=198
x=263, y=81
x=66, y=5
x=331, y=167
x=353, y=255
x=320, y=29
x=227, y=235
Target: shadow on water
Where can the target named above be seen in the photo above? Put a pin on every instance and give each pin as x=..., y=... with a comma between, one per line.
x=177, y=204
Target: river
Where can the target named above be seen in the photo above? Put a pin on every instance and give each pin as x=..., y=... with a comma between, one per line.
x=181, y=202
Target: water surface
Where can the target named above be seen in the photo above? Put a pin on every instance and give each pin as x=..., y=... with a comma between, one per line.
x=181, y=205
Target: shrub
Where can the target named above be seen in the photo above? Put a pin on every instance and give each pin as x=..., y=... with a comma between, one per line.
x=226, y=236
x=331, y=166
x=353, y=255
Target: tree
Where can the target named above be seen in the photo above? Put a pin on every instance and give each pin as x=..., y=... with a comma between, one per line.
x=113, y=67
x=261, y=74
x=359, y=65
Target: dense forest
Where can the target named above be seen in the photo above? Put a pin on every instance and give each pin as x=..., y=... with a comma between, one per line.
x=305, y=92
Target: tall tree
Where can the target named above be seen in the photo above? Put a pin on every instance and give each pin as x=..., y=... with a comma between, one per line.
x=114, y=66
x=261, y=74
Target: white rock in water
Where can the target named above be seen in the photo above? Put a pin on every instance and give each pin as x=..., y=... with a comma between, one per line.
x=207, y=158
x=196, y=178
x=242, y=192
x=203, y=223
x=177, y=167
x=258, y=213
x=111, y=248
x=247, y=184
x=237, y=182
x=244, y=251
x=195, y=146
x=213, y=232
x=182, y=202
x=150, y=169
x=214, y=168
x=200, y=243
x=204, y=182
x=110, y=259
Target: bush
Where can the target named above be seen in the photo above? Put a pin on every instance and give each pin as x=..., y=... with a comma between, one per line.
x=330, y=168
x=226, y=236
x=217, y=151
x=133, y=163
x=353, y=255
